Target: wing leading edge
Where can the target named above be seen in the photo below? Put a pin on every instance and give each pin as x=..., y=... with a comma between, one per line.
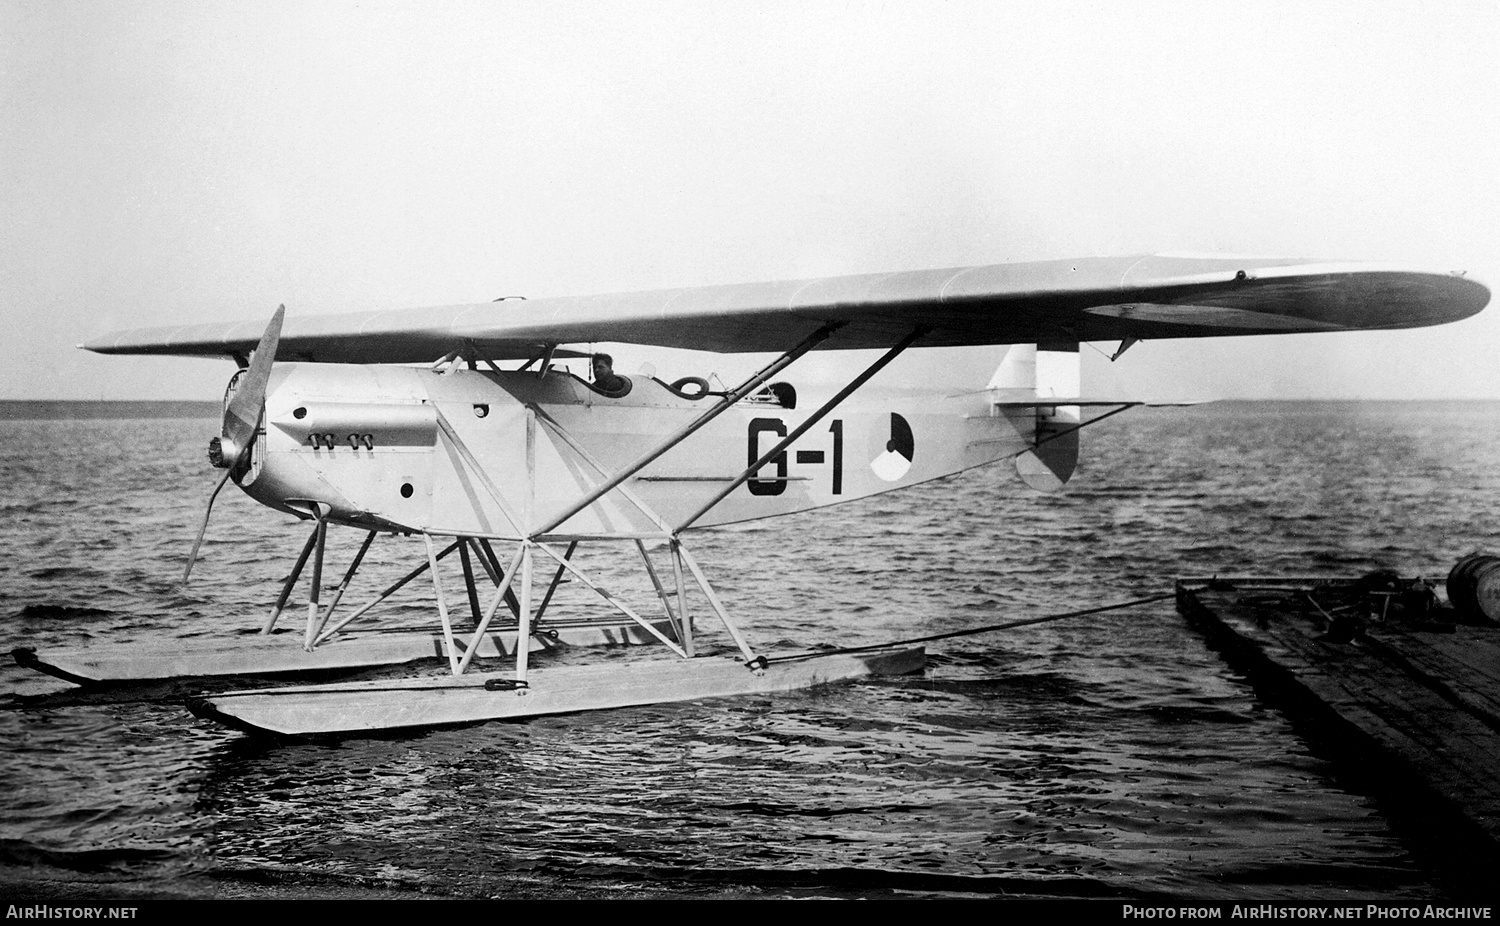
x=1096, y=299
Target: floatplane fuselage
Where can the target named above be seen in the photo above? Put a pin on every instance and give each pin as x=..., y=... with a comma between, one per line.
x=506, y=455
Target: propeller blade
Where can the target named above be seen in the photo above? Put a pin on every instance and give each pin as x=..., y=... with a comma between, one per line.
x=242, y=417
x=193, y=557
x=241, y=421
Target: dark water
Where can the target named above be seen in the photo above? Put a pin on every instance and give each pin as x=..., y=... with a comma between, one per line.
x=1114, y=755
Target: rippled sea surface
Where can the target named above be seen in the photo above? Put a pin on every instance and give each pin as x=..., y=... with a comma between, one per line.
x=1114, y=755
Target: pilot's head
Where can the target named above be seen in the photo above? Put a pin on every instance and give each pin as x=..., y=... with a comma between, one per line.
x=604, y=365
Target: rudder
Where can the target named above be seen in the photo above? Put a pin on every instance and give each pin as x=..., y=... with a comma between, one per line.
x=1027, y=377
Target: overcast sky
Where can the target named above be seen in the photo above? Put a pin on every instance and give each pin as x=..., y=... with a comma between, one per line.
x=165, y=162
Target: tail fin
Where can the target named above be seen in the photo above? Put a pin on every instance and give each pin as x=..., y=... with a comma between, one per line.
x=1028, y=376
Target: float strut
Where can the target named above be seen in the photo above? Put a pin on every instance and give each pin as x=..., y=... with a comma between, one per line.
x=321, y=533
x=390, y=590
x=718, y=606
x=492, y=566
x=291, y=580
x=685, y=619
x=523, y=621
x=344, y=585
x=556, y=580
x=463, y=556
x=442, y=603
x=502, y=592
x=661, y=591
x=618, y=605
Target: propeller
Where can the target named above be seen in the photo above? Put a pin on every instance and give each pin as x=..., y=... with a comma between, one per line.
x=241, y=422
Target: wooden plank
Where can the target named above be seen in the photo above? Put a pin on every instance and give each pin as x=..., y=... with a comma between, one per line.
x=1465, y=663
x=1426, y=701
x=254, y=654
x=398, y=704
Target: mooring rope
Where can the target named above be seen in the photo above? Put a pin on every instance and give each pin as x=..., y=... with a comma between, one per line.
x=974, y=631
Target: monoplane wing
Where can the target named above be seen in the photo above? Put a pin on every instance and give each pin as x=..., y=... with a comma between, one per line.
x=1095, y=299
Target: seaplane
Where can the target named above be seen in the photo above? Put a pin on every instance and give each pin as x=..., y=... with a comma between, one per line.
x=464, y=428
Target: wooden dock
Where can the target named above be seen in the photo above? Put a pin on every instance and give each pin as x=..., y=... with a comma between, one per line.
x=1383, y=667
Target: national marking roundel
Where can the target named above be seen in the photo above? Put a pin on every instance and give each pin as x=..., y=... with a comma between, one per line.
x=893, y=456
